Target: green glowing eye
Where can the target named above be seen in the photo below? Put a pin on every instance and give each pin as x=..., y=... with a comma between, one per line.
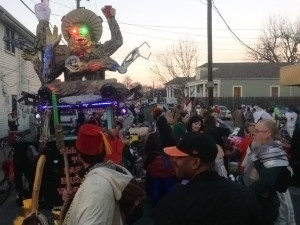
x=83, y=31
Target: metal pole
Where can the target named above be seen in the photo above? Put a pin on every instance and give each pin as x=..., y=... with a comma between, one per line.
x=210, y=84
x=78, y=4
x=153, y=91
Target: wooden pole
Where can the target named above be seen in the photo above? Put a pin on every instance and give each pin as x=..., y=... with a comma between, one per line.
x=210, y=84
x=78, y=4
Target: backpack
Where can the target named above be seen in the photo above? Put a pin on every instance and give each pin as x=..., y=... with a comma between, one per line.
x=284, y=179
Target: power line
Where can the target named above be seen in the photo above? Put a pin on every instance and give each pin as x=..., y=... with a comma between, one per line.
x=33, y=1
x=168, y=39
x=34, y=14
x=203, y=2
x=27, y=7
x=234, y=35
x=134, y=25
x=188, y=28
x=149, y=26
x=62, y=5
x=153, y=27
x=173, y=32
x=160, y=26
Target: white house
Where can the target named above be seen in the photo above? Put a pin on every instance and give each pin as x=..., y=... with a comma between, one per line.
x=16, y=74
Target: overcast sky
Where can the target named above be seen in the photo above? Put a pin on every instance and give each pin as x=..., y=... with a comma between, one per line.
x=161, y=23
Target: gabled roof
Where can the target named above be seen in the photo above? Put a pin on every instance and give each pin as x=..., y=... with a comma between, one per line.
x=12, y=22
x=243, y=70
x=180, y=80
x=290, y=75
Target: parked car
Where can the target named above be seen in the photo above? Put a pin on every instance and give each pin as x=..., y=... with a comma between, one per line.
x=225, y=112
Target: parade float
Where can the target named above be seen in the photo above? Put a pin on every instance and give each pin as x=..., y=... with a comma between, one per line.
x=82, y=60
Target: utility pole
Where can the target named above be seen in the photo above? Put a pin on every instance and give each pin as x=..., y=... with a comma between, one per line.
x=153, y=91
x=210, y=83
x=78, y=4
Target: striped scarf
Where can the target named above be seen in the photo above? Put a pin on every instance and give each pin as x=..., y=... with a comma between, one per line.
x=271, y=155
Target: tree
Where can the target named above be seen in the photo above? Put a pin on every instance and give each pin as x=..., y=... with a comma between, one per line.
x=278, y=42
x=127, y=81
x=180, y=60
x=134, y=84
x=147, y=91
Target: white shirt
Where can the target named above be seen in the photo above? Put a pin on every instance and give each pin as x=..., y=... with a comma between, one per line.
x=263, y=115
x=291, y=118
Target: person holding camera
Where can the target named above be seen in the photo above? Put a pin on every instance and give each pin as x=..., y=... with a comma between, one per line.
x=13, y=120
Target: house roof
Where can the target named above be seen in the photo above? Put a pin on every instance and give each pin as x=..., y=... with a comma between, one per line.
x=244, y=70
x=180, y=80
x=290, y=75
x=12, y=22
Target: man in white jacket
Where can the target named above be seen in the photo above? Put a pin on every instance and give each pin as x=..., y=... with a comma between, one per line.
x=97, y=199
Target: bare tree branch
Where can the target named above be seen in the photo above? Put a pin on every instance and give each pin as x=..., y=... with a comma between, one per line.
x=279, y=41
x=179, y=60
x=127, y=81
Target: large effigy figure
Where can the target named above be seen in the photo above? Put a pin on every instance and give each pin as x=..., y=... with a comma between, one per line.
x=84, y=55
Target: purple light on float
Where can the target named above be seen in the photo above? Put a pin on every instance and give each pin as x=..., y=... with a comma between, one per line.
x=123, y=111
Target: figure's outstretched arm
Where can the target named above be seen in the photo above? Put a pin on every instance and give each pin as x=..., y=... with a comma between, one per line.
x=116, y=41
x=42, y=12
x=46, y=43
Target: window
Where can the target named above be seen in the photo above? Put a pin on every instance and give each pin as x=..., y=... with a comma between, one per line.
x=215, y=90
x=200, y=90
x=11, y=35
x=198, y=75
x=274, y=91
x=237, y=91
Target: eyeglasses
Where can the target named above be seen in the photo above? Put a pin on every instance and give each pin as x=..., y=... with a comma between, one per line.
x=260, y=131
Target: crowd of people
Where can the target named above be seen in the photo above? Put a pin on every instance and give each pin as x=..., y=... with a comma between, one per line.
x=188, y=171
x=260, y=155
x=287, y=123
x=262, y=160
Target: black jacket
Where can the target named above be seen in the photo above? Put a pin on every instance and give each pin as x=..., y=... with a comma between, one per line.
x=165, y=132
x=209, y=199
